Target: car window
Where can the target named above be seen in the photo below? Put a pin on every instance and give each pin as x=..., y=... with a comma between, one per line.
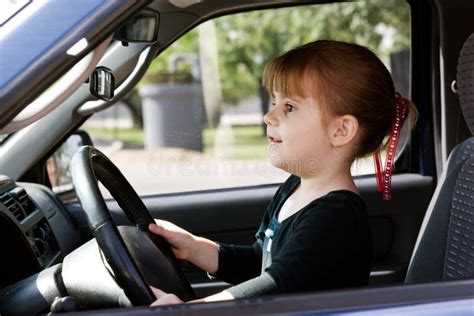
x=195, y=121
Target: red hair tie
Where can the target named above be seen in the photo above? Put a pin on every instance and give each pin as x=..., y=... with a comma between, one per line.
x=384, y=176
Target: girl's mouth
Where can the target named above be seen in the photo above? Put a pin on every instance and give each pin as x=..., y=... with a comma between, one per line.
x=273, y=140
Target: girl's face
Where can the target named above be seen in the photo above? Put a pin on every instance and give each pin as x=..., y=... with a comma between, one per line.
x=298, y=141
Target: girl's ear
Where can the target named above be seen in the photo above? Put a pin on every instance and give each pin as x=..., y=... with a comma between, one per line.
x=342, y=130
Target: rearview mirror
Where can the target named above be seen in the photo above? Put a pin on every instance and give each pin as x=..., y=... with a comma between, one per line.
x=141, y=28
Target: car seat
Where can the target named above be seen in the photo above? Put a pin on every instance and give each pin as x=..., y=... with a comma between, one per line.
x=445, y=246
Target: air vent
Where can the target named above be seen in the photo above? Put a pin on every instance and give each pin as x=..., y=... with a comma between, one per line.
x=12, y=206
x=25, y=201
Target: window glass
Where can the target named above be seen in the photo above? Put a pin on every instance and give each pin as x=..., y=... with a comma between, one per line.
x=195, y=121
x=57, y=166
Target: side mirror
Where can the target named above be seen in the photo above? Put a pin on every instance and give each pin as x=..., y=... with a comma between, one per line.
x=57, y=165
x=141, y=28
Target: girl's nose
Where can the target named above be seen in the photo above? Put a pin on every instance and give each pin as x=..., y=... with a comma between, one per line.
x=270, y=119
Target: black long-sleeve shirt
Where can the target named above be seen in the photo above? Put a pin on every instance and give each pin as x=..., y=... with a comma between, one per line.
x=325, y=245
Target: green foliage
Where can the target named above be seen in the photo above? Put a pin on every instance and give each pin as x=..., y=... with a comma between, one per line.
x=187, y=44
x=130, y=137
x=246, y=41
x=246, y=142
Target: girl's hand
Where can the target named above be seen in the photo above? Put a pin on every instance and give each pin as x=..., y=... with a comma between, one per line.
x=182, y=242
x=163, y=298
x=203, y=252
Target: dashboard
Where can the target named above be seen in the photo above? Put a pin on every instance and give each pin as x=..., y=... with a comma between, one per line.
x=46, y=256
x=35, y=230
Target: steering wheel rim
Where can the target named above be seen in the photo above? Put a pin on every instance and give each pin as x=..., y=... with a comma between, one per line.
x=88, y=166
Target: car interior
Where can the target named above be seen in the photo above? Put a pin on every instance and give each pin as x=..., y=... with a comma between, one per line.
x=75, y=250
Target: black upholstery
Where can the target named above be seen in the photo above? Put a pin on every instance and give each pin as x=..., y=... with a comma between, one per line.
x=428, y=261
x=445, y=246
x=459, y=261
x=465, y=81
x=462, y=152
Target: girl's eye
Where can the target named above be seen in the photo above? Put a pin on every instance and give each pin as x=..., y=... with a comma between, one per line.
x=289, y=107
x=273, y=103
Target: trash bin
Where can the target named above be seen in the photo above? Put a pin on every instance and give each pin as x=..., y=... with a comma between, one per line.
x=173, y=115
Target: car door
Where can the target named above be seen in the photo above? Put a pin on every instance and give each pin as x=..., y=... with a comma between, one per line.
x=197, y=153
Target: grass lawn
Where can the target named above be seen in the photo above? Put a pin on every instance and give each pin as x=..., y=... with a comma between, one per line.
x=130, y=137
x=237, y=142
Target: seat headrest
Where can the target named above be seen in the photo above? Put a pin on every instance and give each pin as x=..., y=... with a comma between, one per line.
x=465, y=81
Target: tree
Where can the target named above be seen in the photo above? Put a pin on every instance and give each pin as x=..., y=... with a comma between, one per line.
x=187, y=44
x=247, y=41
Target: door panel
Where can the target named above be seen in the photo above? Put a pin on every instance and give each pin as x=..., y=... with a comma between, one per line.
x=233, y=216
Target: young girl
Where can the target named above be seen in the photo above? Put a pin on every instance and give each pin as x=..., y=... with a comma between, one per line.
x=332, y=103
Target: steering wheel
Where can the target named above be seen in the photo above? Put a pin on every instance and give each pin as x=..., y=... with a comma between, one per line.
x=88, y=166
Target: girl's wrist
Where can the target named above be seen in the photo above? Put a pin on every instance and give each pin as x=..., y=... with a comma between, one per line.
x=204, y=254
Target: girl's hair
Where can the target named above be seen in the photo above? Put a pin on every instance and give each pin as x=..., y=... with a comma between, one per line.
x=343, y=78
